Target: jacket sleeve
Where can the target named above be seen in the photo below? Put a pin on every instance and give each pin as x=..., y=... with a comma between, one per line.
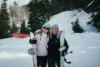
x=34, y=40
x=64, y=52
x=66, y=44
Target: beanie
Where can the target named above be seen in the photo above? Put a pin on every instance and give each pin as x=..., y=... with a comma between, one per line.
x=47, y=25
x=55, y=26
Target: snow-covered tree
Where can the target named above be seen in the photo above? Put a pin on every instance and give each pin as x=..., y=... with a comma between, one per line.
x=4, y=20
x=95, y=8
x=76, y=27
x=39, y=13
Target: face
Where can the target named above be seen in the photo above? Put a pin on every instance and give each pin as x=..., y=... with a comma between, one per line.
x=54, y=31
x=45, y=30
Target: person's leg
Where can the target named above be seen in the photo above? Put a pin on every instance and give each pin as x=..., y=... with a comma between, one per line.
x=51, y=62
x=38, y=61
x=58, y=63
x=43, y=61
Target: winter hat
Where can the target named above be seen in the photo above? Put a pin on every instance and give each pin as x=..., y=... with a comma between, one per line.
x=55, y=26
x=47, y=25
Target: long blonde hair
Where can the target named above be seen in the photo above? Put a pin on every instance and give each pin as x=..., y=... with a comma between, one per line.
x=58, y=34
x=40, y=32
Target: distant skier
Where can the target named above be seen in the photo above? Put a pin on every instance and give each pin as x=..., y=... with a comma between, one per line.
x=42, y=38
x=54, y=47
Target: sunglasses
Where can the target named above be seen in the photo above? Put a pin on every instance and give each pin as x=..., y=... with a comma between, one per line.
x=46, y=28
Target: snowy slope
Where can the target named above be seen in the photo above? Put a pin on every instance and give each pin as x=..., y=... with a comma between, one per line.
x=85, y=49
x=13, y=53
x=63, y=20
x=85, y=46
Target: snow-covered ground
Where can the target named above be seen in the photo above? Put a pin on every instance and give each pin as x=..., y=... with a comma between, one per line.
x=85, y=46
x=85, y=49
x=13, y=53
x=64, y=19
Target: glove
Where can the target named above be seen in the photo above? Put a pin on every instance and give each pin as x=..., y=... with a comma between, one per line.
x=33, y=41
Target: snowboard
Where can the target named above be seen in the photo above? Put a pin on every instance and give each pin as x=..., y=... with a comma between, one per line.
x=63, y=59
x=32, y=51
x=62, y=33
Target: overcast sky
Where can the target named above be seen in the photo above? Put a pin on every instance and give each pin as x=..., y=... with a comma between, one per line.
x=20, y=2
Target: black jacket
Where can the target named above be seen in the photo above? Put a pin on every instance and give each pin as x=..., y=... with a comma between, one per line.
x=53, y=46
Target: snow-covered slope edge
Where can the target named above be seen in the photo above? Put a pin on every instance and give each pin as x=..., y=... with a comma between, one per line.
x=63, y=20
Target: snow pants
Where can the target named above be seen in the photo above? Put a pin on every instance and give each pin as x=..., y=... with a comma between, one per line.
x=53, y=63
x=41, y=61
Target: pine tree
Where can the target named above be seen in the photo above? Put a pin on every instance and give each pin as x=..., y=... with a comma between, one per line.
x=42, y=10
x=95, y=8
x=24, y=29
x=77, y=28
x=39, y=13
x=95, y=21
x=63, y=5
x=34, y=21
x=13, y=29
x=4, y=20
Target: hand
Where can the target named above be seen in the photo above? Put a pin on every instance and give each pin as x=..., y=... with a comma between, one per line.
x=61, y=48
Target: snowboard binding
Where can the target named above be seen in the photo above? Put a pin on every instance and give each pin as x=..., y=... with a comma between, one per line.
x=68, y=62
x=31, y=51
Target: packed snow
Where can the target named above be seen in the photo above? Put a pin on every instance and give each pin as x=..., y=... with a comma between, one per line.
x=64, y=19
x=13, y=53
x=85, y=46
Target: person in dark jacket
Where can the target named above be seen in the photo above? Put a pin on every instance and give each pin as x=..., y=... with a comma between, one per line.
x=54, y=47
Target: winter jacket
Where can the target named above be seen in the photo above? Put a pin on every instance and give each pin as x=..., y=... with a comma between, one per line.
x=41, y=44
x=53, y=46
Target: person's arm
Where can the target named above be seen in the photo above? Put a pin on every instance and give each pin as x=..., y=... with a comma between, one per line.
x=64, y=47
x=34, y=39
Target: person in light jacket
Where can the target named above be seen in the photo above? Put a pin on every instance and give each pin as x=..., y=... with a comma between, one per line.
x=41, y=40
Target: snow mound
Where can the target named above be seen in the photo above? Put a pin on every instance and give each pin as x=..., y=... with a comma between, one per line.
x=63, y=20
